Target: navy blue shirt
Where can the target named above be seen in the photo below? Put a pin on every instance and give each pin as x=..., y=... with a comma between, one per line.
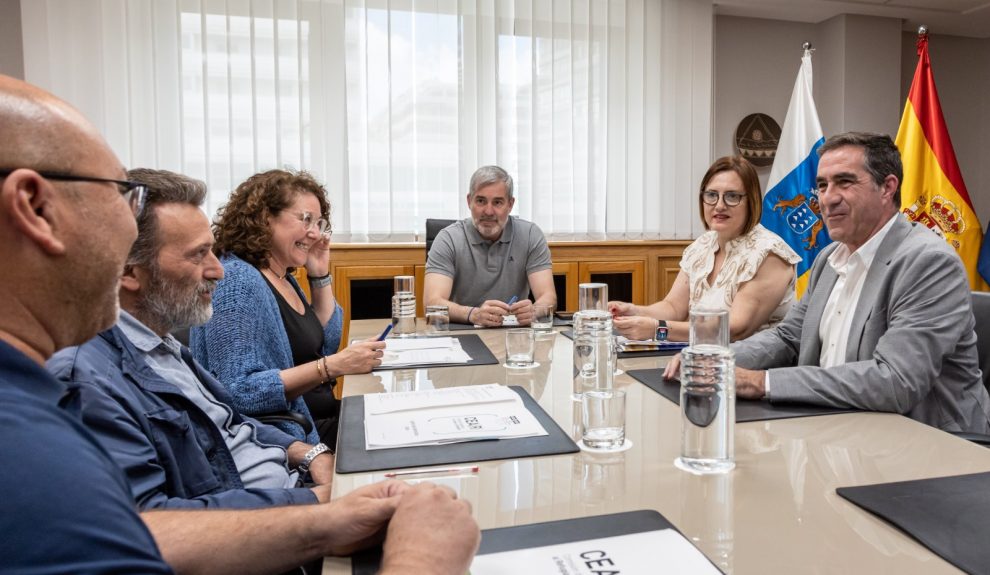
x=65, y=507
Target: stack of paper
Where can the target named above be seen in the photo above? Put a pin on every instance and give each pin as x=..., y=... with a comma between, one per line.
x=449, y=415
x=626, y=344
x=423, y=351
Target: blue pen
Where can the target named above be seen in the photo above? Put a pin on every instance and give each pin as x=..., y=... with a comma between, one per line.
x=385, y=333
x=514, y=299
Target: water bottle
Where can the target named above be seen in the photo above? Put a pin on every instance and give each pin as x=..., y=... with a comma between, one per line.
x=708, y=396
x=593, y=346
x=404, y=307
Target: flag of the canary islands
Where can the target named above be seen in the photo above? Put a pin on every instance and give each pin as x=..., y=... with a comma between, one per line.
x=790, y=206
x=933, y=192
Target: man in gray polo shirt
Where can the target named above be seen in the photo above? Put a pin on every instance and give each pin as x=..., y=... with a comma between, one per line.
x=478, y=265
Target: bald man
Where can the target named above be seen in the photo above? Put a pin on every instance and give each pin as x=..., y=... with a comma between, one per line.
x=66, y=225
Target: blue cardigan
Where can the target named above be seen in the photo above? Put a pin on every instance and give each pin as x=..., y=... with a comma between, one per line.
x=245, y=345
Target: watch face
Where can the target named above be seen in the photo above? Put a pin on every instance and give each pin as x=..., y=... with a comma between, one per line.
x=661, y=333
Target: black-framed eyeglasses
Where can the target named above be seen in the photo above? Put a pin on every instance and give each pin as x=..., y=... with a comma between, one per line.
x=731, y=199
x=133, y=192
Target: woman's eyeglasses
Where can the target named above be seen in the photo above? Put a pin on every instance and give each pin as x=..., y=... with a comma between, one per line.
x=731, y=199
x=309, y=221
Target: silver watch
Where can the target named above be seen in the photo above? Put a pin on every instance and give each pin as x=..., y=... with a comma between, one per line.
x=317, y=449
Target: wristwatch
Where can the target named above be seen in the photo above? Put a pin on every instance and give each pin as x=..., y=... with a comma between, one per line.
x=661, y=330
x=317, y=449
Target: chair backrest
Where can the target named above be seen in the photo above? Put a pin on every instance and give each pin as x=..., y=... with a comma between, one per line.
x=981, y=311
x=433, y=227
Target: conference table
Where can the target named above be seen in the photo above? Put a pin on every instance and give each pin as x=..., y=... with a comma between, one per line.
x=777, y=512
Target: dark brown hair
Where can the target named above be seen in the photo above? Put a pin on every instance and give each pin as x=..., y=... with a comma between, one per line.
x=751, y=187
x=880, y=154
x=241, y=226
x=164, y=187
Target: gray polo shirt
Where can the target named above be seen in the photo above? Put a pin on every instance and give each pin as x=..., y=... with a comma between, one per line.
x=484, y=270
x=259, y=465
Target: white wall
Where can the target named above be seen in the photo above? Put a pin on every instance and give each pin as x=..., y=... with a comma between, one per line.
x=11, y=50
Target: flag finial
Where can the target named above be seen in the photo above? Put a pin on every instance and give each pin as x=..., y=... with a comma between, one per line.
x=806, y=45
x=922, y=30
x=922, y=42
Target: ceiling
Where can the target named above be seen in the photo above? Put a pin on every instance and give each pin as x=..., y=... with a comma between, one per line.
x=956, y=17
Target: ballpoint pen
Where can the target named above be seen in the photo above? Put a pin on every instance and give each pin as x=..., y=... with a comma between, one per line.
x=385, y=333
x=440, y=471
x=513, y=300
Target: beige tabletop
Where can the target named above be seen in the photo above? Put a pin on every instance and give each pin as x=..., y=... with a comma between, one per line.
x=777, y=512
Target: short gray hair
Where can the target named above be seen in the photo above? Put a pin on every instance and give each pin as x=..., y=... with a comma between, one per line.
x=164, y=187
x=488, y=175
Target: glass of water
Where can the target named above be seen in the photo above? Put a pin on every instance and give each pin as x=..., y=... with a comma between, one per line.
x=708, y=396
x=603, y=414
x=543, y=318
x=437, y=319
x=520, y=346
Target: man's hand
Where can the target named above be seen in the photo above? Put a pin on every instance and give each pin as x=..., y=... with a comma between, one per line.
x=750, y=384
x=432, y=531
x=360, y=357
x=619, y=308
x=636, y=327
x=673, y=369
x=523, y=310
x=490, y=314
x=358, y=519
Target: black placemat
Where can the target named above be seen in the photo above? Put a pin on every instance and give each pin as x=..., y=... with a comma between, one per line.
x=543, y=534
x=948, y=515
x=746, y=409
x=673, y=350
x=352, y=457
x=470, y=343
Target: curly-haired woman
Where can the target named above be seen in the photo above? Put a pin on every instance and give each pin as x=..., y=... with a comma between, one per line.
x=271, y=347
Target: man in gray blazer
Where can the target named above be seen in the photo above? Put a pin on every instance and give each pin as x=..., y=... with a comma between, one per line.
x=886, y=323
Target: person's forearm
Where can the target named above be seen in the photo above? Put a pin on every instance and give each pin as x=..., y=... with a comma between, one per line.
x=659, y=310
x=246, y=542
x=303, y=378
x=456, y=312
x=324, y=302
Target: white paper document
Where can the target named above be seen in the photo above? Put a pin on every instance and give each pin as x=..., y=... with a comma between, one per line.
x=449, y=415
x=423, y=351
x=665, y=551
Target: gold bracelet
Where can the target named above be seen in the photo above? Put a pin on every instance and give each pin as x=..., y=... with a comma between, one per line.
x=326, y=370
x=320, y=371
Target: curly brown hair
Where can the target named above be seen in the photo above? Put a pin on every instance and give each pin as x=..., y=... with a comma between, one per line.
x=241, y=226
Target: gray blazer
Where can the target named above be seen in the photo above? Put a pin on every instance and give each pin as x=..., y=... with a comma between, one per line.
x=911, y=350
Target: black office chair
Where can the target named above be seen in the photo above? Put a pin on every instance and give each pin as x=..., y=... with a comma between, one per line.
x=981, y=311
x=433, y=227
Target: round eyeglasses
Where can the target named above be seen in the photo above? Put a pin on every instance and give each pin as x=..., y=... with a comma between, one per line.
x=309, y=222
x=731, y=199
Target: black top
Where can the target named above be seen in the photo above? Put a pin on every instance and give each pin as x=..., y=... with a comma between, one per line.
x=306, y=341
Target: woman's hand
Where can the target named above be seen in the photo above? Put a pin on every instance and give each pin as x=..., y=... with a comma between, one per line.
x=619, y=308
x=318, y=260
x=636, y=327
x=360, y=357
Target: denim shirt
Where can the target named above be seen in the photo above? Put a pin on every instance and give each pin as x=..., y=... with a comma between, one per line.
x=172, y=452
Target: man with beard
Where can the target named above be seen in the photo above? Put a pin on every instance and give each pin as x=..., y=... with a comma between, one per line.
x=164, y=418
x=483, y=268
x=66, y=225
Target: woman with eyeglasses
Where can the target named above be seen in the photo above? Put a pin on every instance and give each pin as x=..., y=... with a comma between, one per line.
x=274, y=349
x=736, y=265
